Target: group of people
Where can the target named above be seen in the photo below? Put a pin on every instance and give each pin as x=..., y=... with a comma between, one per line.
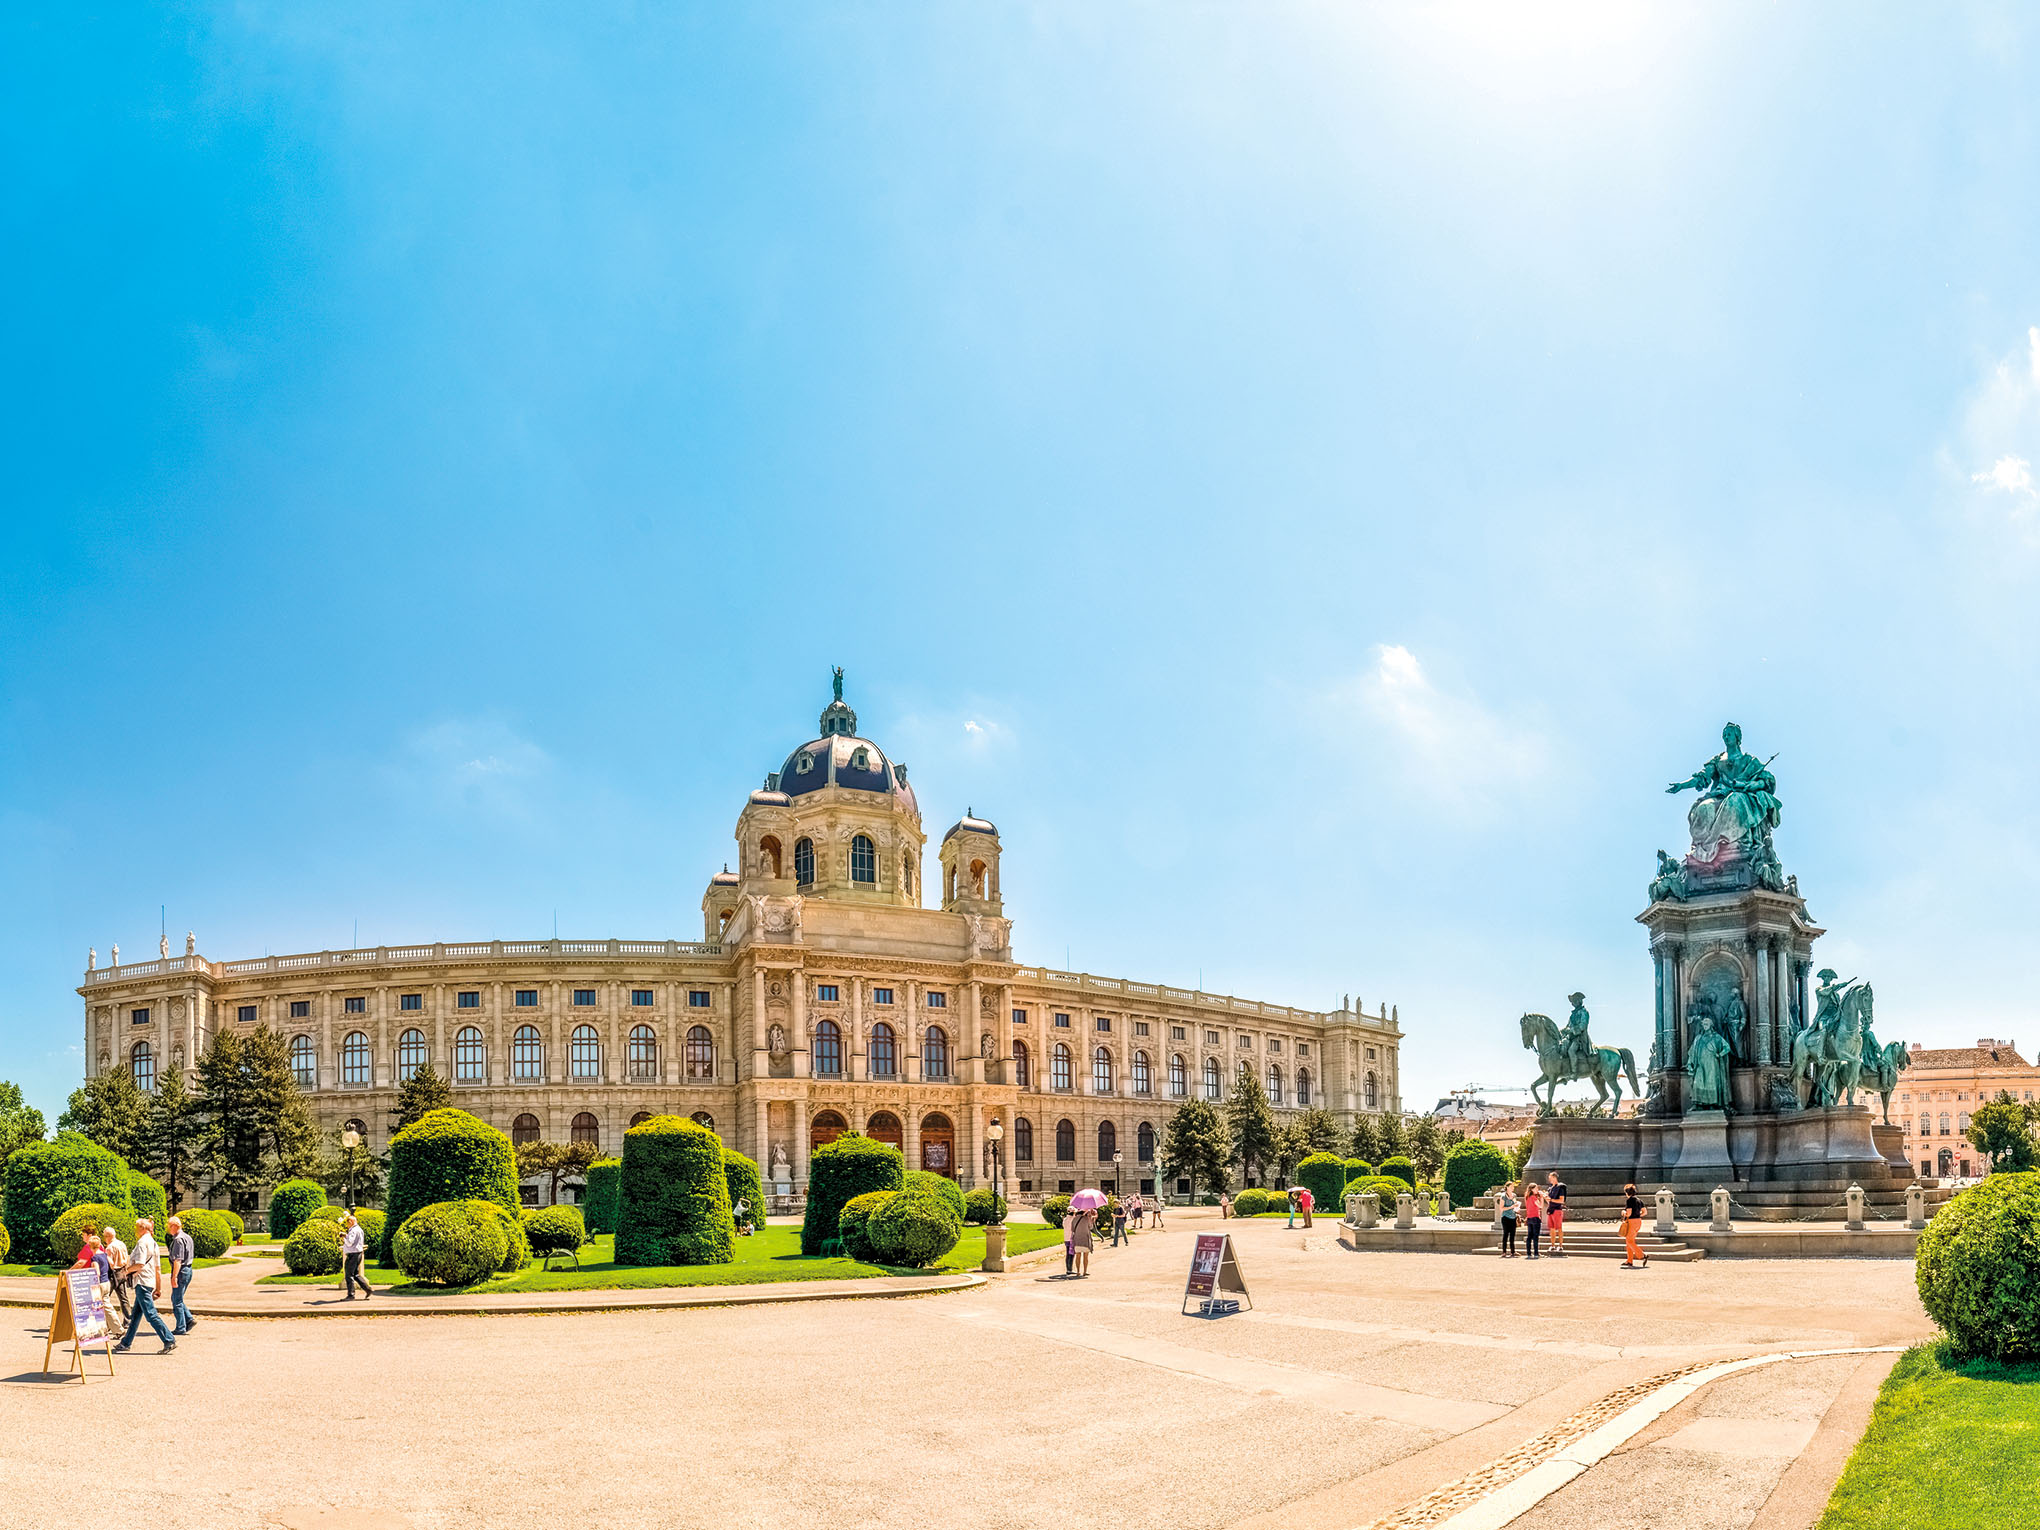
x=1541, y=1209
x=134, y=1277
x=1081, y=1227
x=1301, y=1203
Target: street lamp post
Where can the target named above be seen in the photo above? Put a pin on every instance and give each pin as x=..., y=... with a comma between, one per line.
x=995, y=1230
x=351, y=1141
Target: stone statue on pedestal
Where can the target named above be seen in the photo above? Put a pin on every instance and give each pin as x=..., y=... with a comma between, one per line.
x=1569, y=1054
x=1670, y=881
x=1707, y=1065
x=1738, y=800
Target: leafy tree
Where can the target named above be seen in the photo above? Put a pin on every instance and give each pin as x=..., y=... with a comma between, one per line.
x=1320, y=1131
x=171, y=1143
x=20, y=1122
x=108, y=1109
x=1195, y=1145
x=230, y=1142
x=1393, y=1135
x=1426, y=1146
x=554, y=1162
x=1290, y=1147
x=283, y=1117
x=1519, y=1156
x=1367, y=1140
x=423, y=1091
x=2003, y=1128
x=353, y=1173
x=1250, y=1123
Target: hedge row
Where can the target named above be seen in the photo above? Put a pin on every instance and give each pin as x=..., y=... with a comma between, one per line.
x=47, y=1179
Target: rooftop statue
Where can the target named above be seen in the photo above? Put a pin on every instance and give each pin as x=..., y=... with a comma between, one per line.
x=1569, y=1054
x=1738, y=799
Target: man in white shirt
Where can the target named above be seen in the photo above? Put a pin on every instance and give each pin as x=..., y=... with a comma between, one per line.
x=354, y=1244
x=146, y=1268
x=117, y=1261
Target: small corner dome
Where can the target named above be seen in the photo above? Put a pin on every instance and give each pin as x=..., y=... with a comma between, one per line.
x=970, y=825
x=724, y=878
x=771, y=799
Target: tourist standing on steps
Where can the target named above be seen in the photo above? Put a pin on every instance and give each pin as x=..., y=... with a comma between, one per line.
x=353, y=1246
x=1554, y=1212
x=1632, y=1224
x=181, y=1254
x=146, y=1268
x=1533, y=1220
x=1509, y=1207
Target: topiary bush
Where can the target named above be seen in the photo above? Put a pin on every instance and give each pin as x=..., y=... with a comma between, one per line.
x=1978, y=1268
x=939, y=1185
x=147, y=1198
x=6, y=1242
x=291, y=1203
x=850, y=1166
x=1252, y=1201
x=913, y=1229
x=517, y=1244
x=555, y=1230
x=46, y=1179
x=235, y=1225
x=982, y=1209
x=314, y=1249
x=1472, y=1169
x=1384, y=1185
x=63, y=1238
x=371, y=1222
x=599, y=1201
x=851, y=1225
x=741, y=1174
x=1400, y=1168
x=210, y=1234
x=446, y=1155
x=329, y=1213
x=673, y=1201
x=452, y=1243
x=1055, y=1209
x=1358, y=1168
x=1324, y=1176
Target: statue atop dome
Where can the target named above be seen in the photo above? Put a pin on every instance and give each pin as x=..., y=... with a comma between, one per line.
x=837, y=717
x=838, y=682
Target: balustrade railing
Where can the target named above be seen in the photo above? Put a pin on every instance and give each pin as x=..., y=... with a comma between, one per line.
x=412, y=956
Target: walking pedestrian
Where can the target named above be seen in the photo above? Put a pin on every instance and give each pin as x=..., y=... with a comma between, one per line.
x=1070, y=1219
x=1509, y=1207
x=1533, y=1220
x=1134, y=1209
x=1118, y=1223
x=1080, y=1242
x=353, y=1245
x=1224, y=1205
x=116, y=1265
x=1554, y=1213
x=181, y=1253
x=1158, y=1213
x=1304, y=1202
x=145, y=1264
x=92, y=1255
x=1632, y=1223
x=1292, y=1210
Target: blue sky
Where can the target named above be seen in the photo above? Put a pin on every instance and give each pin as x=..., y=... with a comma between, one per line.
x=1312, y=474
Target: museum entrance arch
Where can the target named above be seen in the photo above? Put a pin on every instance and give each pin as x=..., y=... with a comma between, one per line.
x=938, y=1145
x=885, y=1127
x=826, y=1127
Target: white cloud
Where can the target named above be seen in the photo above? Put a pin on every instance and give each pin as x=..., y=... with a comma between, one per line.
x=2001, y=435
x=475, y=763
x=1450, y=744
x=2012, y=475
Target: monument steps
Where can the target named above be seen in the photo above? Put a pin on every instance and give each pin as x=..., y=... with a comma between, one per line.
x=1581, y=1244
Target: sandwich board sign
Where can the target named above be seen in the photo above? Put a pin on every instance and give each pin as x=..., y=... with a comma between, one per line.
x=1214, y=1268
x=78, y=1318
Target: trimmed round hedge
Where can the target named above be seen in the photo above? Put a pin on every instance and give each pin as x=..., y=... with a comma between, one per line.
x=599, y=1199
x=1472, y=1169
x=913, y=1229
x=147, y=1198
x=452, y=1243
x=1358, y=1168
x=939, y=1185
x=746, y=1185
x=1252, y=1201
x=850, y=1166
x=46, y=1179
x=371, y=1222
x=851, y=1225
x=329, y=1214
x=1384, y=1185
x=1055, y=1209
x=314, y=1248
x=66, y=1234
x=1324, y=1176
x=446, y=1155
x=210, y=1234
x=1400, y=1168
x=982, y=1209
x=516, y=1242
x=6, y=1242
x=555, y=1230
x=1978, y=1268
x=292, y=1202
x=673, y=1204
x=235, y=1225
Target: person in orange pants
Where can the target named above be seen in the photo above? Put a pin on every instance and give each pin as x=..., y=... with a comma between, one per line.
x=1632, y=1224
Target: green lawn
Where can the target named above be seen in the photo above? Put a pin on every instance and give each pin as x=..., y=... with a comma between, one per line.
x=1948, y=1445
x=771, y=1255
x=52, y=1269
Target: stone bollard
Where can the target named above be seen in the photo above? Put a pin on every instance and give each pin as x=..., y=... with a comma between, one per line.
x=1855, y=1222
x=1370, y=1208
x=1496, y=1197
x=1667, y=1212
x=1718, y=1208
x=1444, y=1204
x=1915, y=1207
x=1405, y=1209
x=995, y=1248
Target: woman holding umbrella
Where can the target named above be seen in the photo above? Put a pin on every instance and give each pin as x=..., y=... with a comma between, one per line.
x=1077, y=1228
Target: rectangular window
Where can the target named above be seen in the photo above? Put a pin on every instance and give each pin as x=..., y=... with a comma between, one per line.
x=1104, y=1023
x=355, y=1006
x=1177, y=1033
x=881, y=996
x=527, y=998
x=411, y=1001
x=1303, y=1049
x=938, y=1001
x=1247, y=1041
x=1019, y=1017
x=697, y=998
x=584, y=998
x=1066, y=1186
x=641, y=998
x=1274, y=1045
x=300, y=1008
x=138, y=1017
x=1140, y=1027
x=246, y=1014
x=1062, y=1022
x=1211, y=1038
x=826, y=992
x=1370, y=1054
x=472, y=999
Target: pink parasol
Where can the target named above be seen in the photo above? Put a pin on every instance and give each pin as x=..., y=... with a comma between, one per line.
x=1087, y=1200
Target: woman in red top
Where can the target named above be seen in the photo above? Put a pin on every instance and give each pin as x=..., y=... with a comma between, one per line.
x=1533, y=1219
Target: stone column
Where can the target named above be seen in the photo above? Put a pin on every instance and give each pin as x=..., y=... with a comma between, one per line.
x=329, y=1065
x=760, y=1064
x=1761, y=1050
x=799, y=1039
x=1675, y=1055
x=441, y=1063
x=910, y=1135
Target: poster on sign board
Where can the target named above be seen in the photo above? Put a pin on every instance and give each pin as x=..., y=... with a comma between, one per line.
x=78, y=1318
x=1214, y=1268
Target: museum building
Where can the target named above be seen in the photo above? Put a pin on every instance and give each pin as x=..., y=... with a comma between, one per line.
x=822, y=997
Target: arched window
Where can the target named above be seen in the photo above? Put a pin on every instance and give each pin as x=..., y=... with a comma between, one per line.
x=1108, y=1141
x=1020, y=1064
x=1246, y=1069
x=1368, y=1096
x=885, y=1052
x=644, y=1052
x=1101, y=1072
x=527, y=1054
x=1179, y=1079
x=1144, y=1142
x=826, y=1127
x=1065, y=1141
x=1303, y=1086
x=935, y=1053
x=1023, y=1140
x=584, y=1052
x=1143, y=1079
x=641, y=1118
x=1274, y=1085
x=863, y=860
x=828, y=1058
x=1214, y=1085
x=354, y=1059
x=700, y=1053
x=142, y=1064
x=804, y=862
x=587, y=1129
x=524, y=1129
x=304, y=1062
x=468, y=1060
x=938, y=1144
x=1059, y=1068
x=885, y=1127
x=410, y=1054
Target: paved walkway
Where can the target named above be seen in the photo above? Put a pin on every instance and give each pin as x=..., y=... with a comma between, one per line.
x=1359, y=1384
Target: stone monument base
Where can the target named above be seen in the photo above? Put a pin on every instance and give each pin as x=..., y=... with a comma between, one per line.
x=1791, y=1167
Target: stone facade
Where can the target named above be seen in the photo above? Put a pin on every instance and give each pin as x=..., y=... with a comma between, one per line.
x=1941, y=1088
x=823, y=995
